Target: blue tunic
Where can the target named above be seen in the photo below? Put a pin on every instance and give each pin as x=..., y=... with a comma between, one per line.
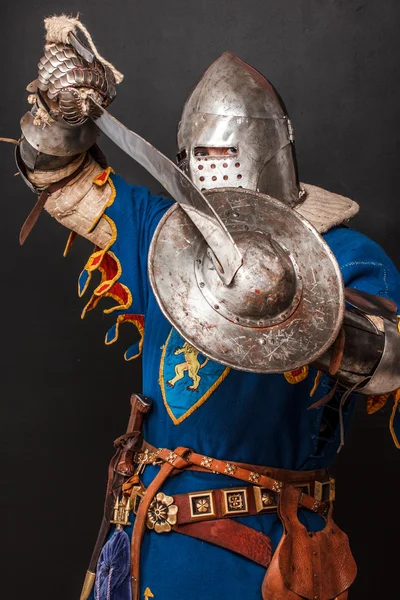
x=232, y=415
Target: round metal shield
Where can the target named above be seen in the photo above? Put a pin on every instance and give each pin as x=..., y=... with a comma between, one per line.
x=285, y=305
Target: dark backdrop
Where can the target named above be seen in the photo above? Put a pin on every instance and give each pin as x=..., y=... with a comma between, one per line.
x=65, y=395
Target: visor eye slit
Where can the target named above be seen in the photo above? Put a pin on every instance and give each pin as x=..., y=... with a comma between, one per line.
x=216, y=152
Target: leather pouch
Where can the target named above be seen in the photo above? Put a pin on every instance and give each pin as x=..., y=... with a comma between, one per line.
x=311, y=566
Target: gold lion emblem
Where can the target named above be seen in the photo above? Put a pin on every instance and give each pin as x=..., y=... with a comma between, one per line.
x=191, y=366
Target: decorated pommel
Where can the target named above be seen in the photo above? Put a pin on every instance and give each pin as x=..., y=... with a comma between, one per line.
x=69, y=73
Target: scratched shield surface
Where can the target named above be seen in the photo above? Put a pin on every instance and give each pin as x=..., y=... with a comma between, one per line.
x=214, y=320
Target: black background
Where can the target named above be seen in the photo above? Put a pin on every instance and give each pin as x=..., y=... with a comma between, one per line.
x=65, y=395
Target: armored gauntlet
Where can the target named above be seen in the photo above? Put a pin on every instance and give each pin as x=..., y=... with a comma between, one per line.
x=57, y=132
x=57, y=128
x=67, y=78
x=366, y=353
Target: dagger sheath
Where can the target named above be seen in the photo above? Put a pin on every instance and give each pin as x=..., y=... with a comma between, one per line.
x=120, y=467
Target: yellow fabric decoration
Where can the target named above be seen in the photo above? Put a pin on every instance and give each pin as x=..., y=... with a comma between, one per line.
x=70, y=241
x=296, y=376
x=396, y=397
x=375, y=403
x=316, y=383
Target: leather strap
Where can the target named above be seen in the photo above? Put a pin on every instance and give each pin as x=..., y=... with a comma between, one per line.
x=325, y=399
x=285, y=475
x=337, y=353
x=233, y=536
x=33, y=216
x=140, y=522
x=236, y=471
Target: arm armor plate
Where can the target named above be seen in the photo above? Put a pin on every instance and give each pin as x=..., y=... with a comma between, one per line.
x=54, y=145
x=371, y=353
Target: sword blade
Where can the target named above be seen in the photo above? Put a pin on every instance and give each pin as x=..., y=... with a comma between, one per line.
x=181, y=188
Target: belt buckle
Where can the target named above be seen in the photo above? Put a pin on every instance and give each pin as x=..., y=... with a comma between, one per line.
x=135, y=498
x=324, y=491
x=142, y=459
x=305, y=488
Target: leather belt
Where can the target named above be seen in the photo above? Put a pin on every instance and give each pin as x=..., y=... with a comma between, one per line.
x=317, y=487
x=173, y=513
x=194, y=507
x=233, y=536
x=207, y=515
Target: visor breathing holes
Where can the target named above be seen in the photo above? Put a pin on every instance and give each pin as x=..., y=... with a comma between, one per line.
x=214, y=171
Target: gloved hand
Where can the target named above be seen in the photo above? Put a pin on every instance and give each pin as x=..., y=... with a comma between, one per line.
x=58, y=127
x=66, y=80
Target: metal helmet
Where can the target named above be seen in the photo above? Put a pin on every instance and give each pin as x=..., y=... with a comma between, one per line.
x=234, y=106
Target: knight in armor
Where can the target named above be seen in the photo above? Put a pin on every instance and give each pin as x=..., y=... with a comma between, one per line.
x=252, y=381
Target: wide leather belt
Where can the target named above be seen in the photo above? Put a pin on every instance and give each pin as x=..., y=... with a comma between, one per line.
x=207, y=515
x=206, y=505
x=317, y=487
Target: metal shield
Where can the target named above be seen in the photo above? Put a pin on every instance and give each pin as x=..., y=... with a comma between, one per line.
x=285, y=305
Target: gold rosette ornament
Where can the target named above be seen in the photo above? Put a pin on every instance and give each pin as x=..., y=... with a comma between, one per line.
x=162, y=513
